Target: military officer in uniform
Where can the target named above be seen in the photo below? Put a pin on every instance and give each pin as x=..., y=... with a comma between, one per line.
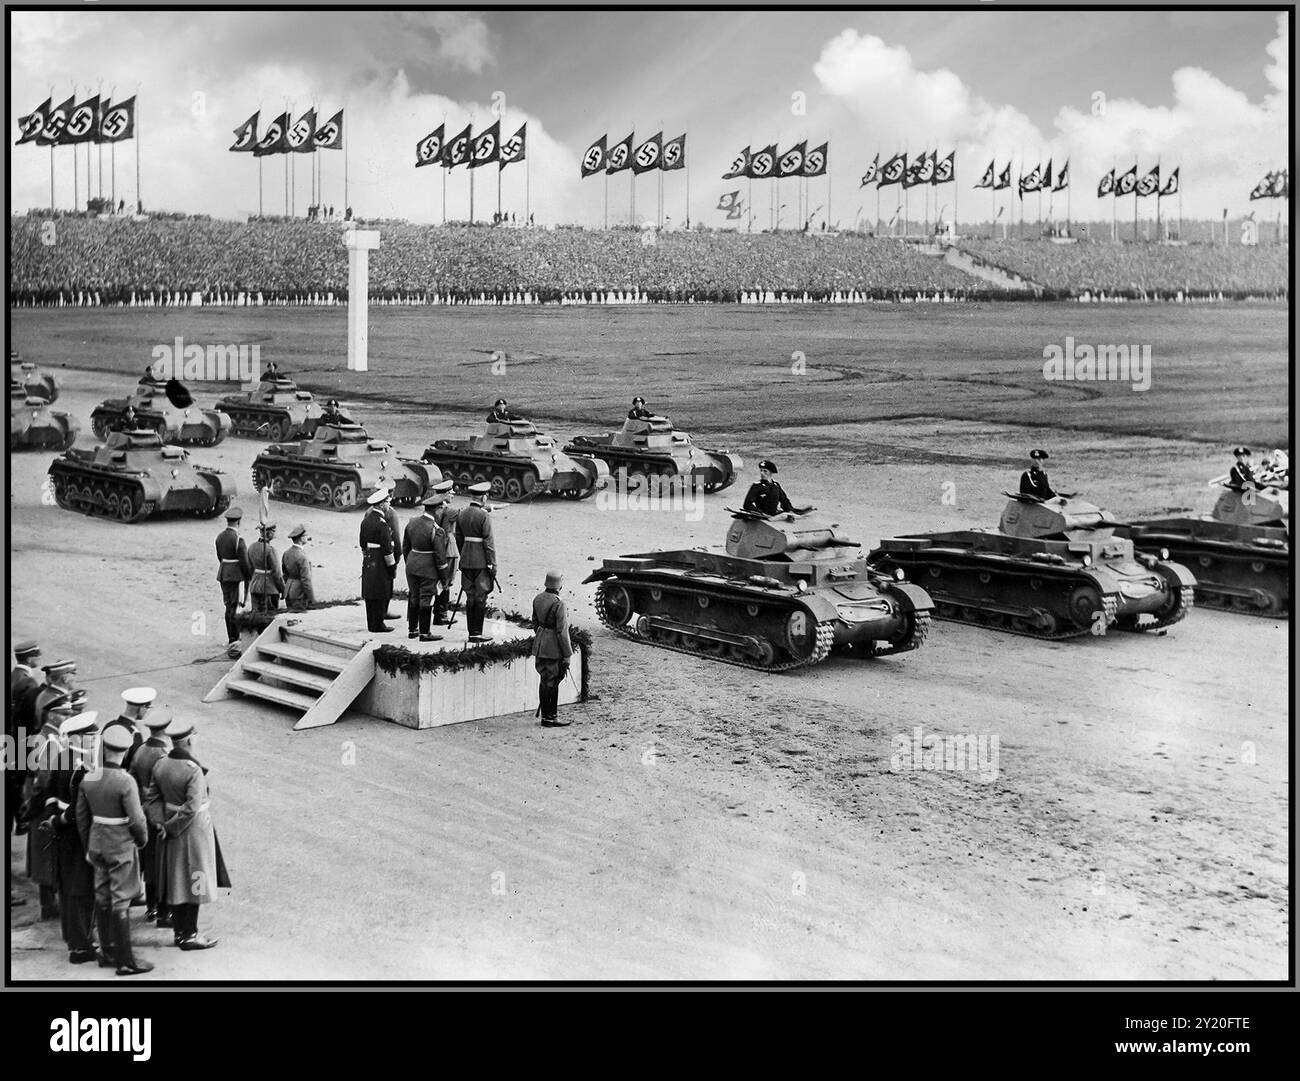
x=296, y=565
x=76, y=881
x=766, y=496
x=638, y=410
x=57, y=686
x=1033, y=481
x=1241, y=477
x=478, y=557
x=136, y=703
x=53, y=707
x=265, y=586
x=552, y=648
x=331, y=414
x=378, y=563
x=177, y=800
x=113, y=830
x=446, y=515
x=430, y=557
x=24, y=686
x=233, y=568
x=500, y=414
x=141, y=770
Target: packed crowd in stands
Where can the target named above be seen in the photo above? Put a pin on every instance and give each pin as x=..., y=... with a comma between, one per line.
x=1141, y=270
x=121, y=261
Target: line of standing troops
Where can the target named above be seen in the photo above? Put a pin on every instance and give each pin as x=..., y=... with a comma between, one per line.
x=113, y=818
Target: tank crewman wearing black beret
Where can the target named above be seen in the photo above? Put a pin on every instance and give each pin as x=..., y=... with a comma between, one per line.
x=500, y=414
x=765, y=495
x=266, y=586
x=296, y=565
x=638, y=410
x=552, y=648
x=1241, y=477
x=141, y=767
x=478, y=558
x=332, y=414
x=378, y=563
x=76, y=880
x=233, y=569
x=1033, y=481
x=113, y=830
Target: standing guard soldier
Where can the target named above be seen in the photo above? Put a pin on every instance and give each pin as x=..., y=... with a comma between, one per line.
x=1033, y=481
x=265, y=586
x=76, y=881
x=552, y=648
x=57, y=686
x=55, y=708
x=378, y=564
x=113, y=830
x=232, y=569
x=141, y=770
x=426, y=547
x=137, y=702
x=177, y=798
x=296, y=564
x=24, y=686
x=478, y=557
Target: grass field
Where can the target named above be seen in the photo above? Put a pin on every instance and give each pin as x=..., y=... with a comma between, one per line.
x=1220, y=373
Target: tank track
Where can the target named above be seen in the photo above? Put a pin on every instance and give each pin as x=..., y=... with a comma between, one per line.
x=657, y=465
x=252, y=423
x=915, y=640
x=340, y=491
x=822, y=649
x=103, y=497
x=952, y=613
x=1208, y=597
x=499, y=472
x=1186, y=601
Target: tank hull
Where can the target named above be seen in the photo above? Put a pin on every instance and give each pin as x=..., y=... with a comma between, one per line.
x=131, y=495
x=343, y=485
x=518, y=477
x=1238, y=568
x=41, y=429
x=1042, y=588
x=251, y=418
x=629, y=467
x=37, y=384
x=186, y=427
x=753, y=613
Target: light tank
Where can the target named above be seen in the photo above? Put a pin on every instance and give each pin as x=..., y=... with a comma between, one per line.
x=338, y=467
x=277, y=410
x=1054, y=568
x=33, y=425
x=652, y=448
x=165, y=407
x=783, y=594
x=36, y=383
x=134, y=475
x=519, y=462
x=1240, y=552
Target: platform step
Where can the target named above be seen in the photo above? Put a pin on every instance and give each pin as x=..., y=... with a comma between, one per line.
x=312, y=658
x=257, y=689
x=333, y=641
x=288, y=674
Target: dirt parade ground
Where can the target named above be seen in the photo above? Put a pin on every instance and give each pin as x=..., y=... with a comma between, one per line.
x=702, y=821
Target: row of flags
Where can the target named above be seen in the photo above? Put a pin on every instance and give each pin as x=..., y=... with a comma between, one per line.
x=652, y=154
x=472, y=150
x=765, y=163
x=284, y=137
x=1039, y=178
x=95, y=120
x=1276, y=185
x=1129, y=183
x=925, y=168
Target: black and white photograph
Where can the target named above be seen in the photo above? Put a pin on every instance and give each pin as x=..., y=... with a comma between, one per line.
x=726, y=497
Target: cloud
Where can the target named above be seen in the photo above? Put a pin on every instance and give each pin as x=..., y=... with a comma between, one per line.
x=1223, y=141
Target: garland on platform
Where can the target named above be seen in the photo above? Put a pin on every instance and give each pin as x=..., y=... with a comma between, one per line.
x=249, y=621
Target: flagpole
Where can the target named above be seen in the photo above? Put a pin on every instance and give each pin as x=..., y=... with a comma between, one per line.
x=1158, y=198
x=99, y=147
x=606, y=226
x=749, y=224
x=52, y=177
x=1136, y=172
x=1114, y=203
x=76, y=190
x=528, y=165
x=139, y=199
x=687, y=163
x=445, y=171
x=259, y=186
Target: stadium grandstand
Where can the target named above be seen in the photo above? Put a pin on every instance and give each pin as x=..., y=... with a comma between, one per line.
x=70, y=259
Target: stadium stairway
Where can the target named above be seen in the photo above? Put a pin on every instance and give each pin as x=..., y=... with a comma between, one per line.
x=988, y=272
x=318, y=675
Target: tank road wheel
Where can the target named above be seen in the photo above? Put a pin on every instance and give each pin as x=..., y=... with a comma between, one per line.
x=613, y=605
x=529, y=481
x=1084, y=604
x=275, y=432
x=636, y=480
x=325, y=494
x=60, y=492
x=345, y=495
x=498, y=489
x=99, y=426
x=465, y=478
x=218, y=508
x=69, y=437
x=110, y=506
x=276, y=484
x=480, y=477
x=514, y=489
x=128, y=507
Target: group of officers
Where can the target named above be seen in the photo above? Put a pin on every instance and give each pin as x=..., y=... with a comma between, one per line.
x=433, y=546
x=115, y=815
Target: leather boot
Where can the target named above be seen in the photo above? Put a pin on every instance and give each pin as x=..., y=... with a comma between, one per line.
x=127, y=965
x=105, y=929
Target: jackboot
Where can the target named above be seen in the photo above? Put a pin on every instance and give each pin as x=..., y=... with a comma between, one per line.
x=127, y=965
x=105, y=928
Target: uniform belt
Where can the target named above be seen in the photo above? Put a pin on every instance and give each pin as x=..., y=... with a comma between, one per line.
x=62, y=806
x=471, y=540
x=111, y=821
x=369, y=545
x=172, y=808
x=423, y=551
x=230, y=561
x=53, y=799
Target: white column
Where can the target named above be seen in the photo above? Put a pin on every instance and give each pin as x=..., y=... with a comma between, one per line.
x=359, y=242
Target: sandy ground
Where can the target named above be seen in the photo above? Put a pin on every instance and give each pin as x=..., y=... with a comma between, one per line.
x=700, y=821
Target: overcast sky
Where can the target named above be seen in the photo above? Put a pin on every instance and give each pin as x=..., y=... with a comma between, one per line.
x=1207, y=91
